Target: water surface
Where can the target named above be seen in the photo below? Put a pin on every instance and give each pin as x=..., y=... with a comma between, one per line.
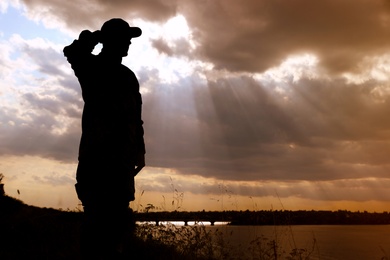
x=327, y=242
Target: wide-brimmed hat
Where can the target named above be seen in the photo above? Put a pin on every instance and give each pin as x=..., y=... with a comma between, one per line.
x=117, y=27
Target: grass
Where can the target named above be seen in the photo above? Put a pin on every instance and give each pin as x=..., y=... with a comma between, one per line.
x=214, y=244
x=183, y=239
x=29, y=232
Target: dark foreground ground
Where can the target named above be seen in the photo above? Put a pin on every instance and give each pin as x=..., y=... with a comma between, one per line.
x=28, y=232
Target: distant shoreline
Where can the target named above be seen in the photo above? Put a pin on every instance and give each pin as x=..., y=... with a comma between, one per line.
x=269, y=217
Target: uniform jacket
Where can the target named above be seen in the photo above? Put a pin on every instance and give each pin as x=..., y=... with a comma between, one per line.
x=112, y=127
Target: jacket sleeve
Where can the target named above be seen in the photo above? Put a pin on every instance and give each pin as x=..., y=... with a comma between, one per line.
x=79, y=55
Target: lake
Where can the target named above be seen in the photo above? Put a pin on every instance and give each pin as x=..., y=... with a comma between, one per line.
x=326, y=242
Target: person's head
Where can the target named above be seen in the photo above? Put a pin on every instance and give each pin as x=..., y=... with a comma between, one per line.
x=116, y=35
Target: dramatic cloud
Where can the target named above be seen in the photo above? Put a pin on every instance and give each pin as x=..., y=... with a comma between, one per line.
x=91, y=14
x=41, y=108
x=251, y=35
x=255, y=35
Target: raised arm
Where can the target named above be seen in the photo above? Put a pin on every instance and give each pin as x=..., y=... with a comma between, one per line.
x=80, y=51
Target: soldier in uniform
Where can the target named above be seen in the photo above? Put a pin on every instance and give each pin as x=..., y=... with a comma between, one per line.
x=112, y=149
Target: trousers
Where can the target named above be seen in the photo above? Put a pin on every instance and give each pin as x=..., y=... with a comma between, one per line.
x=105, y=189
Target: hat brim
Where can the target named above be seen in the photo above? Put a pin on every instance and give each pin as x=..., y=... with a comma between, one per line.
x=135, y=32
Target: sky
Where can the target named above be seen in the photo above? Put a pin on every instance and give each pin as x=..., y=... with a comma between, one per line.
x=252, y=104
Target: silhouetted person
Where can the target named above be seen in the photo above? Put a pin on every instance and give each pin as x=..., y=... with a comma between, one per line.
x=112, y=147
